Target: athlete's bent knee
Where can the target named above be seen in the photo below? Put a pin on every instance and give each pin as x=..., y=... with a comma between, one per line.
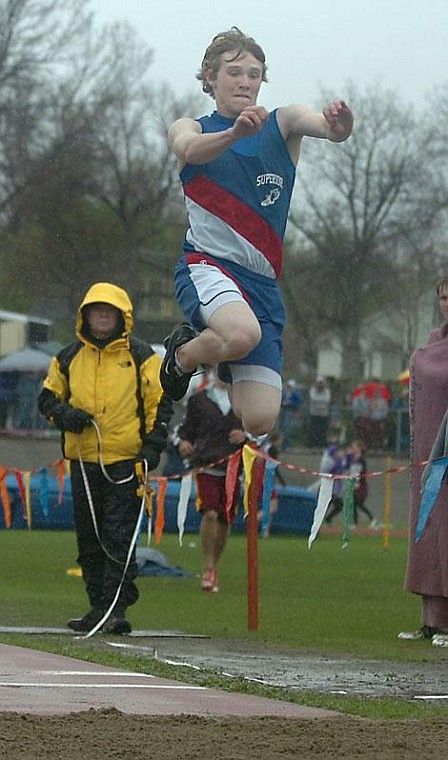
x=243, y=340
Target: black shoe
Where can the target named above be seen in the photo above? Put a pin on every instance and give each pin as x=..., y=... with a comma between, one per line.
x=117, y=623
x=86, y=623
x=173, y=381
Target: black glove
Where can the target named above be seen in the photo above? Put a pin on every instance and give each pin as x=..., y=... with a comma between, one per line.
x=71, y=419
x=152, y=456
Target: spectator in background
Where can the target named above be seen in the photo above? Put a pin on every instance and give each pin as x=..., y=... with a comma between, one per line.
x=356, y=466
x=272, y=447
x=319, y=414
x=379, y=413
x=400, y=407
x=291, y=402
x=332, y=463
x=26, y=413
x=352, y=463
x=361, y=417
x=211, y=432
x=427, y=564
x=8, y=383
x=370, y=406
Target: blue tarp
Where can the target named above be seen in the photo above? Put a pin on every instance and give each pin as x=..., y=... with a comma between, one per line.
x=153, y=562
x=295, y=512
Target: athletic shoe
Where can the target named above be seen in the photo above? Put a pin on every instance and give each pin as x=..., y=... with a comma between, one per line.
x=174, y=381
x=86, y=623
x=209, y=581
x=117, y=623
x=423, y=633
x=440, y=640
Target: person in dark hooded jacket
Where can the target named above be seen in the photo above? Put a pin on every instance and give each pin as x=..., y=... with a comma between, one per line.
x=103, y=393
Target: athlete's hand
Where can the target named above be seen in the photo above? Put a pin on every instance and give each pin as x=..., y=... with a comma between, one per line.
x=339, y=118
x=250, y=121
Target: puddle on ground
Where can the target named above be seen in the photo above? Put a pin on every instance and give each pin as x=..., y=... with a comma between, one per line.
x=370, y=678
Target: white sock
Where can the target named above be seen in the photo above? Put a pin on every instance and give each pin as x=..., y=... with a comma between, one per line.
x=258, y=439
x=179, y=365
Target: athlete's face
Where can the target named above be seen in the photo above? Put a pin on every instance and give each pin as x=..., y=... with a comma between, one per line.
x=237, y=83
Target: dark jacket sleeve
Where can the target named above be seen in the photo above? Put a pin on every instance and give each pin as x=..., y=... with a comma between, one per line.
x=158, y=436
x=189, y=428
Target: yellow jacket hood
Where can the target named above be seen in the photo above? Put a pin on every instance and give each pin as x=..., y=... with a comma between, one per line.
x=106, y=292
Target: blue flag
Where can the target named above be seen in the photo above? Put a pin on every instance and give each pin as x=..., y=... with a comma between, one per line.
x=437, y=473
x=43, y=491
x=268, y=487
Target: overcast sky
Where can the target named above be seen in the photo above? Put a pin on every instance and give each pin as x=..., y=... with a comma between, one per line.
x=401, y=44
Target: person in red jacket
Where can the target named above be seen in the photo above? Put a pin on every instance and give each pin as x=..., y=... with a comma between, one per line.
x=209, y=433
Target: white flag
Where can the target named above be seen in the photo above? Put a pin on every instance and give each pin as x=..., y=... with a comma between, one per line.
x=184, y=496
x=325, y=491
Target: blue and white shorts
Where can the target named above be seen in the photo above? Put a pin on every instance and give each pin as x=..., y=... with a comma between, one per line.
x=203, y=283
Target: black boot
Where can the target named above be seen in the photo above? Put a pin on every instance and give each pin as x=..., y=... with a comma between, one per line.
x=117, y=622
x=86, y=623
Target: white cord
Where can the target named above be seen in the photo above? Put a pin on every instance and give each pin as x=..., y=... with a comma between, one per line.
x=131, y=549
x=95, y=524
x=101, y=462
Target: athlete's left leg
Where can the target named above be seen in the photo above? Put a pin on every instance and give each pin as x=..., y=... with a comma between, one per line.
x=258, y=405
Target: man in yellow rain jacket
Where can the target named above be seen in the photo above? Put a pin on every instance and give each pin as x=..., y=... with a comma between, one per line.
x=103, y=393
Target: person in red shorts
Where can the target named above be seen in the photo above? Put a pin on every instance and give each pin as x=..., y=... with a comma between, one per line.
x=211, y=432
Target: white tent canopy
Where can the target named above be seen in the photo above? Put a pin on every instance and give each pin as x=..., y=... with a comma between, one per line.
x=26, y=360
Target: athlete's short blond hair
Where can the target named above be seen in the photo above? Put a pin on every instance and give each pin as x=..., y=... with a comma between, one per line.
x=233, y=39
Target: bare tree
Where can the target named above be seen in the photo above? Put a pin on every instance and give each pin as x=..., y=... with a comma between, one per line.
x=89, y=187
x=359, y=196
x=39, y=40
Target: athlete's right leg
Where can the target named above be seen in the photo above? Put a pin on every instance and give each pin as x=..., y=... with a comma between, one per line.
x=214, y=302
x=233, y=331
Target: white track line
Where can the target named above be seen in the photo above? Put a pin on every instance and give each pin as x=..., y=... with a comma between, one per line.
x=109, y=674
x=37, y=685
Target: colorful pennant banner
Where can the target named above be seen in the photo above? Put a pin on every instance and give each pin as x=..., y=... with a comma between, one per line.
x=241, y=461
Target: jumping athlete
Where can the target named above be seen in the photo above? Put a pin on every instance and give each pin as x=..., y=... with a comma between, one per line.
x=237, y=168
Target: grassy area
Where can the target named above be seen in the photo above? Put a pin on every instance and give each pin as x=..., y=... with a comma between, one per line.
x=326, y=600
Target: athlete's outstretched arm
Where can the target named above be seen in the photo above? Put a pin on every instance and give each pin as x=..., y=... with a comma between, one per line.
x=335, y=123
x=192, y=146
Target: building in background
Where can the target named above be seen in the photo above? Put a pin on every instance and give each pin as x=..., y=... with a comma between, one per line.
x=20, y=330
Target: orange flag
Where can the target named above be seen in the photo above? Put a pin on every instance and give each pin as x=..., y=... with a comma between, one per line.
x=4, y=495
x=160, y=516
x=232, y=474
x=61, y=467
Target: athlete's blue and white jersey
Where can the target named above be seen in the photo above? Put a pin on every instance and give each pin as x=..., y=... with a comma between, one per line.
x=238, y=203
